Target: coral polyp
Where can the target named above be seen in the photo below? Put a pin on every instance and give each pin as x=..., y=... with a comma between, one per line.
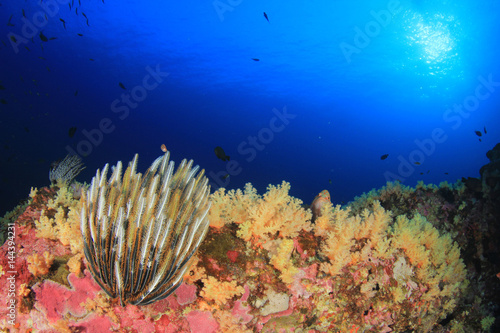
x=141, y=231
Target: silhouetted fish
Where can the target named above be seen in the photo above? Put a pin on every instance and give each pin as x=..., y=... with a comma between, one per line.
x=63, y=22
x=267, y=18
x=8, y=22
x=255, y=59
x=72, y=131
x=43, y=38
x=122, y=86
x=383, y=157
x=219, y=152
x=478, y=133
x=86, y=18
x=485, y=130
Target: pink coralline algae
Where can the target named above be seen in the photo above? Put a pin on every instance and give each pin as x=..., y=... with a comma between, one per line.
x=48, y=295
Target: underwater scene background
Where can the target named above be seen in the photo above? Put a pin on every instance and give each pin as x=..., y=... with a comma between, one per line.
x=352, y=150
x=315, y=93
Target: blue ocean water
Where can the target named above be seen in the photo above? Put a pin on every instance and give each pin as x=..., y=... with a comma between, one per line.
x=312, y=92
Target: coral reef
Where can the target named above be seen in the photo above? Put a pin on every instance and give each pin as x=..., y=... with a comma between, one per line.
x=397, y=259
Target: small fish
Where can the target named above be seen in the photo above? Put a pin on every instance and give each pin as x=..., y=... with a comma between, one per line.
x=76, y=93
x=88, y=23
x=330, y=181
x=63, y=22
x=12, y=38
x=26, y=129
x=41, y=58
x=24, y=14
x=421, y=173
x=91, y=59
x=84, y=15
x=27, y=48
x=478, y=133
x=319, y=201
x=2, y=87
x=417, y=163
x=219, y=152
x=267, y=18
x=72, y=131
x=122, y=86
x=43, y=37
x=163, y=148
x=3, y=101
x=480, y=140
x=383, y=157
x=428, y=171
x=255, y=59
x=485, y=130
x=76, y=11
x=446, y=173
x=52, y=38
x=8, y=22
x=80, y=35
x=225, y=176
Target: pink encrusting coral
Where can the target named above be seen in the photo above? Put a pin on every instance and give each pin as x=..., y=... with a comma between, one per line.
x=265, y=267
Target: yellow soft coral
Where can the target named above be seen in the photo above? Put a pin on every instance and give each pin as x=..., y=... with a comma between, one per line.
x=260, y=217
x=282, y=262
x=65, y=223
x=40, y=265
x=436, y=257
x=275, y=212
x=422, y=260
x=342, y=230
x=219, y=291
x=75, y=264
x=231, y=206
